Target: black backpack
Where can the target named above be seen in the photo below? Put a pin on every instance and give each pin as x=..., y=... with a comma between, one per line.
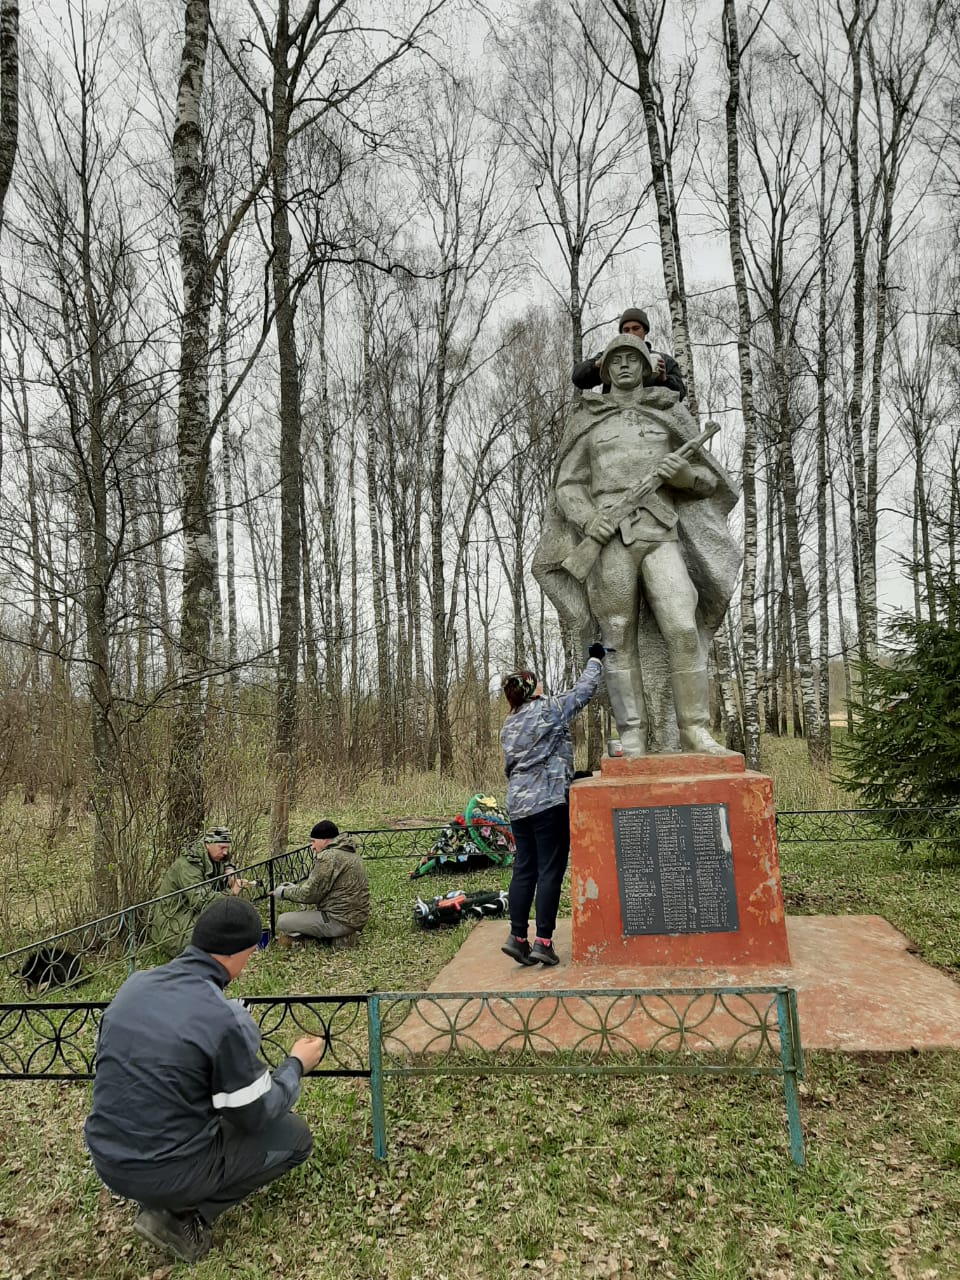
x=50, y=967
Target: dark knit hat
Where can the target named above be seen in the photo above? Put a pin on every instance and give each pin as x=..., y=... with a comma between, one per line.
x=227, y=926
x=325, y=830
x=634, y=313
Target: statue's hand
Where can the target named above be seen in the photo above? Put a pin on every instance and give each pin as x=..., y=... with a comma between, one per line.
x=677, y=472
x=601, y=528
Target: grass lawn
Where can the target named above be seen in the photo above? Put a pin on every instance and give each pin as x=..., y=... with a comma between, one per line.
x=560, y=1177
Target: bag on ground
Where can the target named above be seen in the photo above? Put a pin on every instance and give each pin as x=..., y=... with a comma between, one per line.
x=457, y=906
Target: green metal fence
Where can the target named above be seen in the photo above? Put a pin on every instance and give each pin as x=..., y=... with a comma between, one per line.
x=624, y=1032
x=899, y=824
x=387, y=1035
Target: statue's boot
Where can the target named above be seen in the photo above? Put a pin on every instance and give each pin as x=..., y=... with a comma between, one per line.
x=625, y=691
x=692, y=700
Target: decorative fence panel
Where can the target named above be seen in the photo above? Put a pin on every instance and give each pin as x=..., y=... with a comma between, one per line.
x=691, y=1031
x=934, y=825
x=633, y=1031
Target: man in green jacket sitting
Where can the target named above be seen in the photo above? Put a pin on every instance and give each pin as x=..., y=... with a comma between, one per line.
x=172, y=920
x=335, y=892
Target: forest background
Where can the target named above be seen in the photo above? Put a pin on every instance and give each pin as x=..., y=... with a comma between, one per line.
x=290, y=296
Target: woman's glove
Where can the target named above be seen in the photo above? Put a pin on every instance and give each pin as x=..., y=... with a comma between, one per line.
x=596, y=650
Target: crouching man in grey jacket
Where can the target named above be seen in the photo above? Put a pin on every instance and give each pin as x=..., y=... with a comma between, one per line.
x=186, y=1117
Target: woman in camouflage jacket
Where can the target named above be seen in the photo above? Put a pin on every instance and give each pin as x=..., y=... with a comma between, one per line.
x=538, y=759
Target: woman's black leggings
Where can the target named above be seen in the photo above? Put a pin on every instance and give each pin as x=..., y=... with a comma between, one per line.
x=539, y=865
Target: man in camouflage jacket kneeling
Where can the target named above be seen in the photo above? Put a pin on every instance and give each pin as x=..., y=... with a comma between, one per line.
x=335, y=895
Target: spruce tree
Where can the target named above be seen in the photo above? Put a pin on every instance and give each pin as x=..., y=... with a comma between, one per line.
x=904, y=753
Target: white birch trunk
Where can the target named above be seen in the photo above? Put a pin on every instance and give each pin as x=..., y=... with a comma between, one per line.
x=748, y=579
x=186, y=796
x=9, y=92
x=288, y=619
x=666, y=214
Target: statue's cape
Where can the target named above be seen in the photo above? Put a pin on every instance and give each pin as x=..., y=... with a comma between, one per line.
x=709, y=551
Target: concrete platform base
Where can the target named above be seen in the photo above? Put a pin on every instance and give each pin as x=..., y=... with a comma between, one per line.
x=858, y=987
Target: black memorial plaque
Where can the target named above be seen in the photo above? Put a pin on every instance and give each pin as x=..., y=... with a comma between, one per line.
x=675, y=870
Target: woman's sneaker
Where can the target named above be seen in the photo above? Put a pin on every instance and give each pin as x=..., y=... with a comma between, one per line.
x=544, y=952
x=518, y=949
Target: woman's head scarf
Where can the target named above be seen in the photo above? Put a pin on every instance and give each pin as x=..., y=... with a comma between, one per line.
x=520, y=687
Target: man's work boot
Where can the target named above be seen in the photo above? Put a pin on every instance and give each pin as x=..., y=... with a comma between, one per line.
x=285, y=941
x=625, y=691
x=692, y=700
x=186, y=1235
x=346, y=942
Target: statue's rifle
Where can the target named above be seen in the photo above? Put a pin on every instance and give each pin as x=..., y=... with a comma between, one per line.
x=584, y=555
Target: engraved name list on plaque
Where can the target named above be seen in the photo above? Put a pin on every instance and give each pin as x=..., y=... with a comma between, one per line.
x=675, y=870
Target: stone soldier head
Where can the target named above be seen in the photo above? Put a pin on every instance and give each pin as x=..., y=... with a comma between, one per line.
x=626, y=361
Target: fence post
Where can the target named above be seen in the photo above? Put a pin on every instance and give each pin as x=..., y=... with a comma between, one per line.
x=130, y=924
x=791, y=1060
x=272, y=908
x=377, y=1120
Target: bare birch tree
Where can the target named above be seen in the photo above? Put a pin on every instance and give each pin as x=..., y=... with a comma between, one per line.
x=321, y=64
x=640, y=23
x=569, y=120
x=750, y=708
x=890, y=49
x=9, y=92
x=467, y=210
x=90, y=328
x=186, y=799
x=777, y=124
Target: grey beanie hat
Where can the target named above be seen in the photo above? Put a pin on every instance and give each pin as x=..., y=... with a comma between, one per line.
x=227, y=926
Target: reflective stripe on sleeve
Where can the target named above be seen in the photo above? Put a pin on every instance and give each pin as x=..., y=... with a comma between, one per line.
x=241, y=1097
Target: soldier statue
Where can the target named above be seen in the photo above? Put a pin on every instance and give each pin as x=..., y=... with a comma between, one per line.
x=635, y=539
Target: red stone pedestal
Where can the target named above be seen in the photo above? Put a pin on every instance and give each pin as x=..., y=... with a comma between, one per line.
x=664, y=781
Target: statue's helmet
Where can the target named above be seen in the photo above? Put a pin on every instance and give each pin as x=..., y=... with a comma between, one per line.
x=627, y=342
